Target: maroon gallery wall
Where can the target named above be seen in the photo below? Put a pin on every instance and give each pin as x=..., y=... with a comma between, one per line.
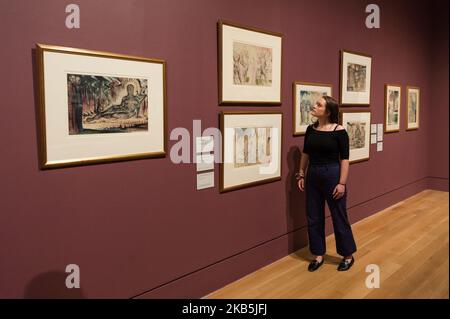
x=140, y=228
x=438, y=109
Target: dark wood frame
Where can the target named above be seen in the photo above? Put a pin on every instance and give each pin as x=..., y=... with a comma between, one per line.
x=222, y=102
x=341, y=61
x=386, y=107
x=408, y=87
x=43, y=161
x=294, y=101
x=341, y=123
x=222, y=130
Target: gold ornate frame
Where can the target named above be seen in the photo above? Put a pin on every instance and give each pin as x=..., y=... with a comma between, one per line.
x=43, y=160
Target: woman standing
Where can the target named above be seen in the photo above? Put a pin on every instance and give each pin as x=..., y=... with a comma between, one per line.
x=326, y=153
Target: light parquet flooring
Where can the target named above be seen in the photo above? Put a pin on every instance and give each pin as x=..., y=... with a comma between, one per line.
x=407, y=241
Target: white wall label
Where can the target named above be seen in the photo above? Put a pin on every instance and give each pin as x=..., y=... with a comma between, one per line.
x=205, y=162
x=380, y=133
x=204, y=144
x=379, y=146
x=205, y=180
x=373, y=139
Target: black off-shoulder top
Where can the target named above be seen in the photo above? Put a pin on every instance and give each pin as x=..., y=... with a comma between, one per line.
x=326, y=147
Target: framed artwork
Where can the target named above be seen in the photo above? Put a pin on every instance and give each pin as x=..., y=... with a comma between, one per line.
x=305, y=95
x=357, y=124
x=413, y=109
x=249, y=65
x=97, y=107
x=251, y=148
x=392, y=101
x=355, y=78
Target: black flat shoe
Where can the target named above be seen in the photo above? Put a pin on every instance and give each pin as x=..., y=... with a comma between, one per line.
x=314, y=265
x=345, y=265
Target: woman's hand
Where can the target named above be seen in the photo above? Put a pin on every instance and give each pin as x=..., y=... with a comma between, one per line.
x=301, y=184
x=339, y=191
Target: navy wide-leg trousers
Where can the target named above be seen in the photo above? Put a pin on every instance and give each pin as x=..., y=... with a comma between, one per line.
x=319, y=185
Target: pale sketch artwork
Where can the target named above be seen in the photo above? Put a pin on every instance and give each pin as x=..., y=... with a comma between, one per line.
x=393, y=105
x=412, y=107
x=252, y=65
x=264, y=146
x=245, y=146
x=356, y=77
x=357, y=134
x=252, y=146
x=307, y=100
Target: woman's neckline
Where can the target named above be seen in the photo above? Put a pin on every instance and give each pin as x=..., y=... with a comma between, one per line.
x=325, y=131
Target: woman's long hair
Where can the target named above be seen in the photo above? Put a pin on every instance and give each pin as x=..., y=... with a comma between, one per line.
x=332, y=107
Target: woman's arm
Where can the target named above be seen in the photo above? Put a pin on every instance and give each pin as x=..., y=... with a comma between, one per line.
x=340, y=188
x=344, y=154
x=344, y=171
x=303, y=163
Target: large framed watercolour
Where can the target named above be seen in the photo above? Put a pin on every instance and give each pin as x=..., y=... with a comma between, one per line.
x=305, y=95
x=249, y=65
x=251, y=148
x=392, y=101
x=99, y=107
x=413, y=109
x=355, y=78
x=357, y=124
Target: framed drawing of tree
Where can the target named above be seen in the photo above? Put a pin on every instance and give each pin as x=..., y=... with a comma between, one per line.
x=99, y=107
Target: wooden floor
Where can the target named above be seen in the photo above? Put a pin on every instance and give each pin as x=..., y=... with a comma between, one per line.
x=408, y=241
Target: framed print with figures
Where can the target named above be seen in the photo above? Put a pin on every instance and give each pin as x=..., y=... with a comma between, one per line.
x=357, y=125
x=97, y=107
x=305, y=95
x=392, y=102
x=413, y=108
x=355, y=78
x=249, y=65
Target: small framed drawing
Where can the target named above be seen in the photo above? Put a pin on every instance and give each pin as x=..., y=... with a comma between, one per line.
x=305, y=95
x=251, y=148
x=413, y=110
x=392, y=101
x=97, y=107
x=249, y=65
x=355, y=78
x=357, y=124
